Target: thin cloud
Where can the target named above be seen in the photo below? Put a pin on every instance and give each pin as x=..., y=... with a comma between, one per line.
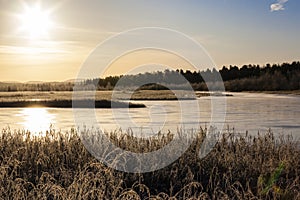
x=6, y=49
x=279, y=5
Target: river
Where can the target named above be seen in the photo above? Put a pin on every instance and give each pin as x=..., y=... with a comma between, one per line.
x=252, y=112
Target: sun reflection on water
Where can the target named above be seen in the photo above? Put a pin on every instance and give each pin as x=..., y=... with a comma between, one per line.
x=36, y=120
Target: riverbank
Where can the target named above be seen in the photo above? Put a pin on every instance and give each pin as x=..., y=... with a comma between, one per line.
x=98, y=95
x=104, y=98
x=283, y=92
x=143, y=95
x=70, y=104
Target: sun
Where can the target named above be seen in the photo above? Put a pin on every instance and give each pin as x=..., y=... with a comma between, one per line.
x=35, y=22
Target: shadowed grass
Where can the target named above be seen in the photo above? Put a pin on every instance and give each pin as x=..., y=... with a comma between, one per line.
x=58, y=166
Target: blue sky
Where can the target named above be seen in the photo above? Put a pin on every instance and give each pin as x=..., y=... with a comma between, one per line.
x=233, y=32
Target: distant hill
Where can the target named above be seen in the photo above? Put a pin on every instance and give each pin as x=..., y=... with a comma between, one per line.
x=74, y=80
x=34, y=82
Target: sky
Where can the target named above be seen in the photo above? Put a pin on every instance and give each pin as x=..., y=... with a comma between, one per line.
x=49, y=40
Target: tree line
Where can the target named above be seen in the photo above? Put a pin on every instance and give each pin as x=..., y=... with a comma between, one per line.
x=285, y=76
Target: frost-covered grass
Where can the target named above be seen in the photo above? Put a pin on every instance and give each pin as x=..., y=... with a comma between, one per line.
x=57, y=166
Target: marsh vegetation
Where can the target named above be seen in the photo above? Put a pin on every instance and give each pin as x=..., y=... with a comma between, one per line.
x=57, y=166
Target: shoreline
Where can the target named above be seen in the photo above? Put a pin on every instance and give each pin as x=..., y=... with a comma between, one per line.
x=280, y=92
x=70, y=104
x=103, y=98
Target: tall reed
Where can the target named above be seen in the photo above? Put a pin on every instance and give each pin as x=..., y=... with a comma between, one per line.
x=57, y=166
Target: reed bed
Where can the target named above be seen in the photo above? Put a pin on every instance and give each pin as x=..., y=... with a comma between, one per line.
x=57, y=166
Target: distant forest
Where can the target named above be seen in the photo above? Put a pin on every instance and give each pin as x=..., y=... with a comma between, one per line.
x=274, y=77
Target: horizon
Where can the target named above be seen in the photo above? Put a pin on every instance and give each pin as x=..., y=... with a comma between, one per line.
x=137, y=73
x=49, y=40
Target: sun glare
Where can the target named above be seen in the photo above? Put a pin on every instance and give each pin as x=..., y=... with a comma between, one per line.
x=36, y=119
x=35, y=22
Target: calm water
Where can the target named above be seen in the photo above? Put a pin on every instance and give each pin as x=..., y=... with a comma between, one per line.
x=244, y=111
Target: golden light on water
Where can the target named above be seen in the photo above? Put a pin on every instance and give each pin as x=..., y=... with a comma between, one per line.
x=36, y=120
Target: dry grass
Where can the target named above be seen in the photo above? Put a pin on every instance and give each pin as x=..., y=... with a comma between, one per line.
x=58, y=166
x=97, y=95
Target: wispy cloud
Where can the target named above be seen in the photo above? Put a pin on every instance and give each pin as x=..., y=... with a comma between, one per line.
x=5, y=49
x=44, y=47
x=279, y=5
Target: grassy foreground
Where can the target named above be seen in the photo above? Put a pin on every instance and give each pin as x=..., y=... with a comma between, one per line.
x=58, y=166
